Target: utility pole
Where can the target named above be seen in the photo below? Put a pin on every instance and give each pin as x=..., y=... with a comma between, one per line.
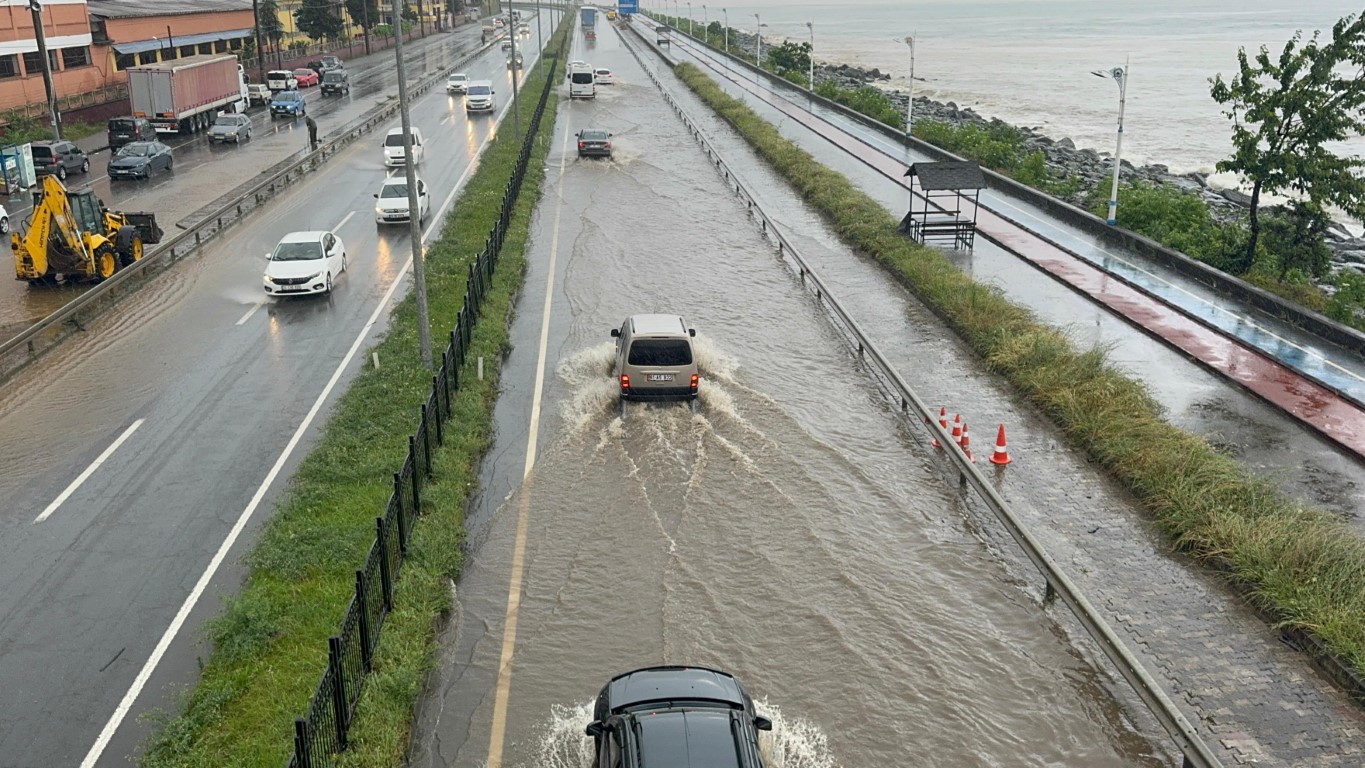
x=419, y=270
x=365, y=22
x=260, y=52
x=516, y=111
x=56, y=115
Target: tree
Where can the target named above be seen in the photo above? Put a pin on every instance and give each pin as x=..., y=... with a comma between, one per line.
x=269, y=24
x=364, y=13
x=1295, y=239
x=790, y=56
x=320, y=20
x=1284, y=111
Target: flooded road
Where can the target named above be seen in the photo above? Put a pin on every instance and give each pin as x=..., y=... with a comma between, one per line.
x=788, y=531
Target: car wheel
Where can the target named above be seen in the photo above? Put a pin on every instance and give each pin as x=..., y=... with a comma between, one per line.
x=170, y=164
x=328, y=289
x=343, y=262
x=4, y=225
x=61, y=172
x=85, y=166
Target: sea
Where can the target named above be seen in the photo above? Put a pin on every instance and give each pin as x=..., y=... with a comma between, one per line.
x=1030, y=62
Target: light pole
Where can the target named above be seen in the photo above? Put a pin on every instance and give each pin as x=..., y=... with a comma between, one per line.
x=56, y=115
x=726, y=11
x=419, y=271
x=677, y=14
x=811, y=55
x=705, y=33
x=1120, y=76
x=689, y=19
x=758, y=57
x=910, y=104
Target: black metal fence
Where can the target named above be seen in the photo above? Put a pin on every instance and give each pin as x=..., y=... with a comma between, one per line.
x=323, y=731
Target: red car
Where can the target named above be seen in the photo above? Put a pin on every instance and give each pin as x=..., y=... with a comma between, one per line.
x=306, y=77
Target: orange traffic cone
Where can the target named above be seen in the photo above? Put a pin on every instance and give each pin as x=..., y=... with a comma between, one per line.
x=942, y=422
x=957, y=428
x=1001, y=456
x=966, y=443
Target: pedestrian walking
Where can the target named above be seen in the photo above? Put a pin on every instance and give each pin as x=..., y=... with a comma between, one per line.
x=312, y=133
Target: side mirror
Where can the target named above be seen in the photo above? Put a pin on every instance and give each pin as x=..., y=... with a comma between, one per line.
x=594, y=728
x=610, y=135
x=762, y=723
x=376, y=195
x=692, y=332
x=615, y=333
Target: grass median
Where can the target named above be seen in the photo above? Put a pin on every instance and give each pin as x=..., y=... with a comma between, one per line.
x=1300, y=564
x=270, y=643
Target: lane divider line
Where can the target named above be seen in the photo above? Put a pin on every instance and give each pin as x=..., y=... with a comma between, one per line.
x=249, y=313
x=90, y=470
x=343, y=221
x=509, y=632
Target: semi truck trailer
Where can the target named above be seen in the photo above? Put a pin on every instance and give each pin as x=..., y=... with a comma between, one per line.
x=185, y=95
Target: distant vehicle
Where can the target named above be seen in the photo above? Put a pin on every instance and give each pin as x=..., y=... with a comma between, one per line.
x=393, y=205
x=524, y=30
x=498, y=22
x=594, y=142
x=611, y=14
x=457, y=83
x=506, y=45
x=184, y=95
x=258, y=93
x=588, y=16
x=125, y=129
x=58, y=158
x=676, y=717
x=332, y=62
x=281, y=80
x=654, y=359
x=336, y=81
x=289, y=103
x=603, y=76
x=303, y=263
x=230, y=127
x=518, y=60
x=581, y=83
x=140, y=159
x=393, y=147
x=479, y=97
x=306, y=77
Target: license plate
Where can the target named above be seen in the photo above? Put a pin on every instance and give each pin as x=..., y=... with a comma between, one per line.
x=660, y=377
x=288, y=288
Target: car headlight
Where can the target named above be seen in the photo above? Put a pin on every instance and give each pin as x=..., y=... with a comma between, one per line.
x=310, y=277
x=378, y=211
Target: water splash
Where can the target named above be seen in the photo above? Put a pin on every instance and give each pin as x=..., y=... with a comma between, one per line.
x=594, y=394
x=563, y=744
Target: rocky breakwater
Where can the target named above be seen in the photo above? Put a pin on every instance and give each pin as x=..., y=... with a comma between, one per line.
x=1091, y=169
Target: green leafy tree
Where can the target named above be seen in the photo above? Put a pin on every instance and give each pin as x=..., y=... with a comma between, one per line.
x=789, y=56
x=320, y=19
x=364, y=13
x=1284, y=111
x=1295, y=240
x=268, y=22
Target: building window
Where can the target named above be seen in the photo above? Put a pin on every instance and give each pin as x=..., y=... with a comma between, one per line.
x=9, y=66
x=33, y=64
x=75, y=57
x=206, y=47
x=186, y=50
x=124, y=60
x=147, y=57
x=168, y=53
x=98, y=34
x=220, y=46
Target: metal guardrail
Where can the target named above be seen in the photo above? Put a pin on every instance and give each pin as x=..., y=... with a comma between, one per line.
x=324, y=730
x=915, y=412
x=45, y=334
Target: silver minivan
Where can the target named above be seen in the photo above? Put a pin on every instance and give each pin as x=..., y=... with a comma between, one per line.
x=654, y=358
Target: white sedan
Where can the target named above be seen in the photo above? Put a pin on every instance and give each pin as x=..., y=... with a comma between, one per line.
x=393, y=206
x=303, y=263
x=603, y=76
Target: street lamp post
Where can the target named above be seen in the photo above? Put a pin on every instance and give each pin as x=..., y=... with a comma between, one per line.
x=810, y=56
x=37, y=8
x=758, y=57
x=705, y=33
x=419, y=271
x=910, y=103
x=726, y=11
x=1120, y=76
x=689, y=18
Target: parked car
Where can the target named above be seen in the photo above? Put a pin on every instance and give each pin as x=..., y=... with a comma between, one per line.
x=58, y=158
x=336, y=81
x=258, y=93
x=594, y=142
x=4, y=221
x=654, y=359
x=281, y=80
x=518, y=60
x=603, y=76
x=457, y=83
x=393, y=147
x=140, y=159
x=230, y=127
x=393, y=205
x=125, y=129
x=289, y=103
x=332, y=62
x=667, y=717
x=306, y=78
x=303, y=263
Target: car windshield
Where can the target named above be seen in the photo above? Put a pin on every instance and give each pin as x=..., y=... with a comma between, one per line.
x=661, y=352
x=120, y=125
x=135, y=150
x=333, y=77
x=394, y=190
x=395, y=140
x=593, y=135
x=582, y=77
x=230, y=121
x=288, y=96
x=304, y=72
x=43, y=152
x=277, y=76
x=604, y=71
x=479, y=90
x=297, y=252
x=458, y=78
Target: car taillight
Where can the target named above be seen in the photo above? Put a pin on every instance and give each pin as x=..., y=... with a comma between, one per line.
x=695, y=379
x=581, y=145
x=608, y=145
x=625, y=381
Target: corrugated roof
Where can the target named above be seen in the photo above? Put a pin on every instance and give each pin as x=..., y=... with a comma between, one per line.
x=132, y=9
x=140, y=46
x=948, y=175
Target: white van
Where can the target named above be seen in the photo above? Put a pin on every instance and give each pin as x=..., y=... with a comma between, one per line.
x=393, y=147
x=479, y=96
x=581, y=85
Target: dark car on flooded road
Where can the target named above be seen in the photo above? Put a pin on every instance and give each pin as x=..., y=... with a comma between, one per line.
x=140, y=159
x=676, y=717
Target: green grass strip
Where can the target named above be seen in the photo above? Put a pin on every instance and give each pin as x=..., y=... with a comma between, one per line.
x=1303, y=565
x=270, y=643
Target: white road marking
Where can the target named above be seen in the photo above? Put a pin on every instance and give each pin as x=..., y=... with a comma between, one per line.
x=126, y=705
x=249, y=313
x=90, y=470
x=342, y=223
x=509, y=632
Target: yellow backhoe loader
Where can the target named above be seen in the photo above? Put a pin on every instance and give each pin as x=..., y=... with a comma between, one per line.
x=71, y=236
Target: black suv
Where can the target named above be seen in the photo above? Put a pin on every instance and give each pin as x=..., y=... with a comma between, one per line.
x=676, y=717
x=58, y=158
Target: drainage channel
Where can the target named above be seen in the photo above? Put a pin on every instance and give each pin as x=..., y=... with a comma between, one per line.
x=914, y=411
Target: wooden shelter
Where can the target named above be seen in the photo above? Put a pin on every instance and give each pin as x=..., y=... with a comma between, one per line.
x=946, y=190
